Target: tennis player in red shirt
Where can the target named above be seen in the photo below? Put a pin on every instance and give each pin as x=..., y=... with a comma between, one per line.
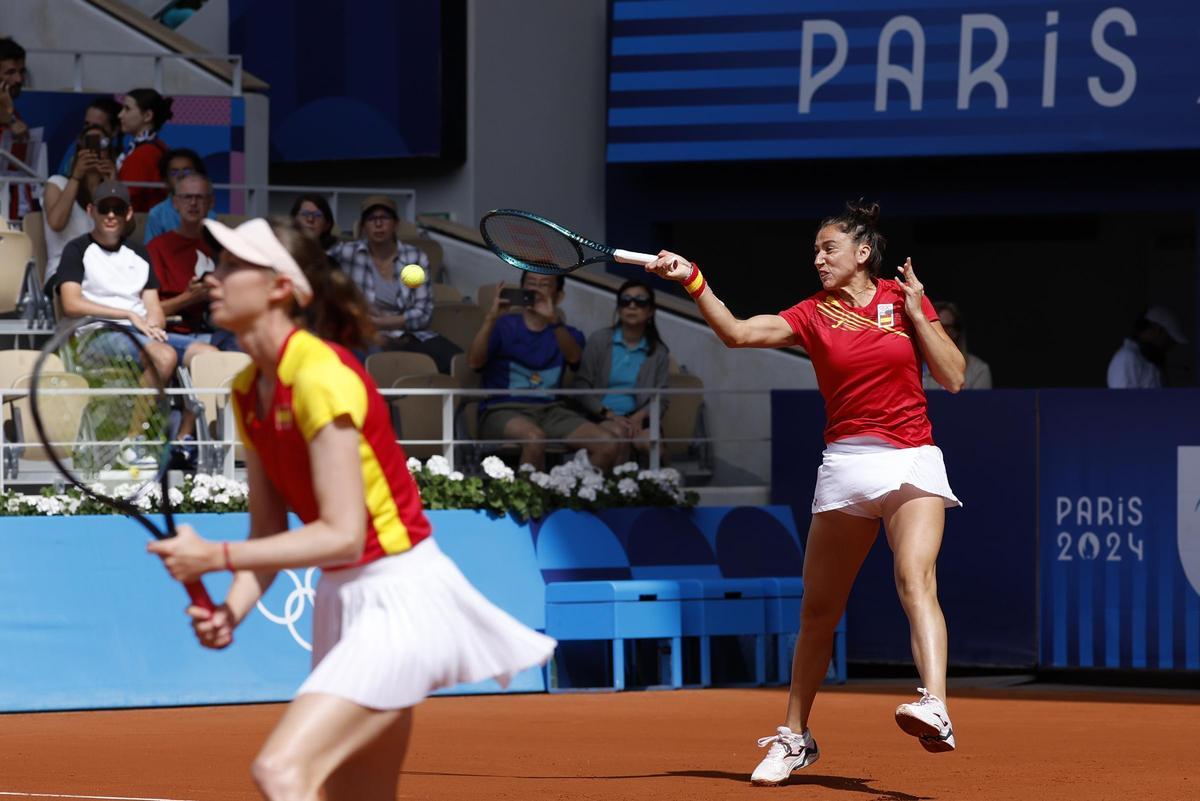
x=867, y=336
x=394, y=617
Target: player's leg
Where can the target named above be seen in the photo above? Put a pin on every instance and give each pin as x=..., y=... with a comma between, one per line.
x=837, y=545
x=915, y=520
x=373, y=773
x=317, y=735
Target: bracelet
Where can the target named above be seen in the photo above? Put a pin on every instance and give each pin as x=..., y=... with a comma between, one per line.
x=695, y=283
x=225, y=550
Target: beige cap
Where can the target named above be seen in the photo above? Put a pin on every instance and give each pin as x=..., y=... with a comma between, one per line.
x=371, y=201
x=255, y=242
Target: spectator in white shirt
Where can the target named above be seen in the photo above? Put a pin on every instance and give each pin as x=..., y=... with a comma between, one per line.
x=1138, y=363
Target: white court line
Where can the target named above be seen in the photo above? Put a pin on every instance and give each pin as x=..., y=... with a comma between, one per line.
x=97, y=797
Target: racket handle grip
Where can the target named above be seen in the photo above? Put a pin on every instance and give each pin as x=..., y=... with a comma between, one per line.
x=199, y=596
x=633, y=257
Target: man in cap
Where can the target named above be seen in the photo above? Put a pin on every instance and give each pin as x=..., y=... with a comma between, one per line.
x=1138, y=364
x=103, y=275
x=400, y=313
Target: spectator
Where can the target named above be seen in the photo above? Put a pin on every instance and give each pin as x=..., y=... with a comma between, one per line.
x=532, y=350
x=312, y=213
x=181, y=258
x=102, y=112
x=625, y=355
x=102, y=275
x=143, y=114
x=979, y=374
x=173, y=166
x=1138, y=364
x=12, y=80
x=67, y=196
x=400, y=313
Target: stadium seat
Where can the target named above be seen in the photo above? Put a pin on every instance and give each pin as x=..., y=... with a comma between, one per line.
x=684, y=420
x=432, y=251
x=386, y=366
x=457, y=322
x=213, y=370
x=35, y=229
x=138, y=234
x=444, y=293
x=420, y=417
x=63, y=424
x=16, y=259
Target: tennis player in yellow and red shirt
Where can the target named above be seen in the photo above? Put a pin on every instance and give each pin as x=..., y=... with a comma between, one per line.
x=867, y=336
x=394, y=617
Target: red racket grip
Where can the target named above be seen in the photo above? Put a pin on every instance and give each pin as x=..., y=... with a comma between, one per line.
x=199, y=596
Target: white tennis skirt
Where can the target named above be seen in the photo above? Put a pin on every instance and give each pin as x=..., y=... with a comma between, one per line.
x=857, y=474
x=387, y=634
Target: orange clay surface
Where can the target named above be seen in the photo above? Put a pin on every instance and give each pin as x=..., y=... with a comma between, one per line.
x=1013, y=744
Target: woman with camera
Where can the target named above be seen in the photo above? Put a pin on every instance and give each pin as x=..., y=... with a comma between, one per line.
x=67, y=196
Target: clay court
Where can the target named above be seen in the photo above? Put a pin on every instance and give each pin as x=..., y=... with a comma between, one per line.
x=1015, y=743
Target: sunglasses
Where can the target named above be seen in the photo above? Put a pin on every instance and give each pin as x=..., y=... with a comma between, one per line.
x=633, y=300
x=114, y=207
x=180, y=172
x=311, y=216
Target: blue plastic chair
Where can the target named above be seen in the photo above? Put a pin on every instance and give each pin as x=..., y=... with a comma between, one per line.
x=617, y=611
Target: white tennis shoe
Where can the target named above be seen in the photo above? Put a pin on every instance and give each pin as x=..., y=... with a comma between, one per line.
x=928, y=721
x=789, y=752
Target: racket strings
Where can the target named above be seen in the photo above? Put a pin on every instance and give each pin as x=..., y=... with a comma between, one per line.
x=121, y=435
x=533, y=243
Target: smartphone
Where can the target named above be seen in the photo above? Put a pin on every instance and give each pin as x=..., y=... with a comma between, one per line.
x=518, y=297
x=92, y=143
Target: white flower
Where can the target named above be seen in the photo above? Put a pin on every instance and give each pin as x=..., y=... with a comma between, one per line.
x=628, y=467
x=539, y=478
x=587, y=493
x=494, y=467
x=526, y=467
x=222, y=498
x=627, y=487
x=14, y=504
x=438, y=466
x=414, y=464
x=456, y=476
x=593, y=481
x=200, y=493
x=670, y=475
x=175, y=495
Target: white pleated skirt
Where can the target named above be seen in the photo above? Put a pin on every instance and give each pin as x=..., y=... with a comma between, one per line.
x=856, y=475
x=387, y=634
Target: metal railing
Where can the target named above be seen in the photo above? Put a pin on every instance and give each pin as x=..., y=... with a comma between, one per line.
x=233, y=59
x=218, y=455
x=256, y=197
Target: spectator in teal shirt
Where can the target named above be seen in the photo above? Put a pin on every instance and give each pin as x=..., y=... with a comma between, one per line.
x=626, y=355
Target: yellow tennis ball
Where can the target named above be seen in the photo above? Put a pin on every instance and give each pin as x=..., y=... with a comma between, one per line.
x=413, y=275
x=134, y=473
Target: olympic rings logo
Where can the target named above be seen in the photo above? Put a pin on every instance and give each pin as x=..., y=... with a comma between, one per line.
x=302, y=595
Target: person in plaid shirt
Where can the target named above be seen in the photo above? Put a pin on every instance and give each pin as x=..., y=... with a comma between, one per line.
x=400, y=313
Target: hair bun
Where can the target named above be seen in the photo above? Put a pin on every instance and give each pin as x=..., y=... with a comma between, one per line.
x=863, y=212
x=167, y=103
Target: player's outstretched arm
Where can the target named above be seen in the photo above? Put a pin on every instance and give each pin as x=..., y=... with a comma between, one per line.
x=760, y=331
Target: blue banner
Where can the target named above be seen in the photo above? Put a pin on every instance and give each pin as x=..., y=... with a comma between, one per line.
x=699, y=80
x=1120, y=523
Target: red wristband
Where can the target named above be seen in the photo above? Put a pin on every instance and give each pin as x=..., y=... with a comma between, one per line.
x=225, y=550
x=695, y=283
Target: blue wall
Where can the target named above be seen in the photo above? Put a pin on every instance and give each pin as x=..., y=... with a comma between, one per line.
x=1078, y=546
x=87, y=620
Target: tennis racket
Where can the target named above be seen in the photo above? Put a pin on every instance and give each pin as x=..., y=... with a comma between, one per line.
x=533, y=243
x=104, y=422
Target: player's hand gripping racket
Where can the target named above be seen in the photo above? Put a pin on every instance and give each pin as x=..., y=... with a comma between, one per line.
x=533, y=243
x=113, y=441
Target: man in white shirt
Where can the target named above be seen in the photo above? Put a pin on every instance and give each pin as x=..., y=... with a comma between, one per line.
x=1139, y=361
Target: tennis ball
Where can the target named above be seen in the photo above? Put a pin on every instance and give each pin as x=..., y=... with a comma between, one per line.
x=134, y=473
x=413, y=275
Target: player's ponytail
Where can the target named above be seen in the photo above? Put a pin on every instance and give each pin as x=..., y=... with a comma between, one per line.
x=338, y=311
x=860, y=221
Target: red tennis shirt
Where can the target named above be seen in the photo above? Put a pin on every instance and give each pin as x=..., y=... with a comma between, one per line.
x=318, y=382
x=868, y=364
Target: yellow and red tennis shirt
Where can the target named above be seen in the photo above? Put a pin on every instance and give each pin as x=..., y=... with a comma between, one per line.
x=316, y=383
x=868, y=364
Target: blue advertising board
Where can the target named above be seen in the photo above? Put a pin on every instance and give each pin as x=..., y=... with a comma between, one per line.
x=699, y=80
x=1120, y=523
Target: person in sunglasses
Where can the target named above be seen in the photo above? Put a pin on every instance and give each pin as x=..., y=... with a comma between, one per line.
x=629, y=354
x=103, y=275
x=67, y=196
